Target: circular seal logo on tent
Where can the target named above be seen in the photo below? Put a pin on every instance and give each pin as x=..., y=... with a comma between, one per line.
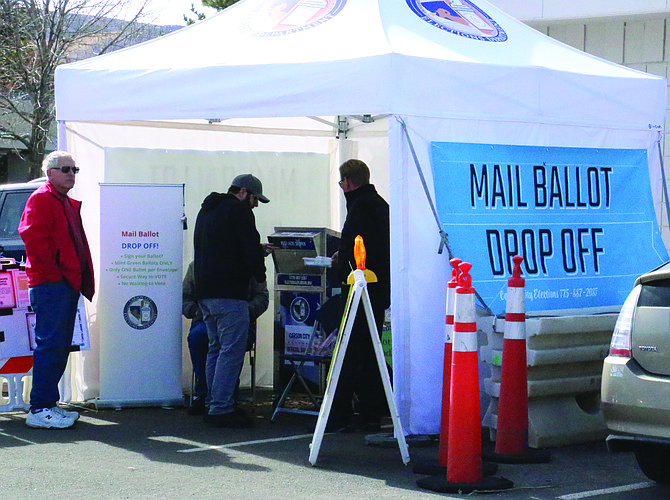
x=283, y=17
x=460, y=17
x=140, y=312
x=300, y=309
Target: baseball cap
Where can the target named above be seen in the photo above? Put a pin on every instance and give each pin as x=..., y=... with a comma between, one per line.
x=251, y=184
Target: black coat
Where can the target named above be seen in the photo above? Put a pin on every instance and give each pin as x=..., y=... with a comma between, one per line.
x=228, y=249
x=368, y=216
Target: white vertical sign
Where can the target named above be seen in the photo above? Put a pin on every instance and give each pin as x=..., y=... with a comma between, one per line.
x=141, y=242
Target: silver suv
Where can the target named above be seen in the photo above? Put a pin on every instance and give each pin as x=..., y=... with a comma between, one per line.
x=13, y=199
x=635, y=388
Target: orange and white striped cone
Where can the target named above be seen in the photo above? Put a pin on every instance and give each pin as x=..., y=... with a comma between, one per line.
x=446, y=371
x=439, y=466
x=512, y=425
x=464, y=459
x=464, y=462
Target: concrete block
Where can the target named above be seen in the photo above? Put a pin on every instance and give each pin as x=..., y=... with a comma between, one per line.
x=559, y=9
x=634, y=43
x=644, y=41
x=571, y=378
x=542, y=28
x=660, y=69
x=654, y=37
x=564, y=358
x=578, y=422
x=638, y=66
x=571, y=34
x=605, y=40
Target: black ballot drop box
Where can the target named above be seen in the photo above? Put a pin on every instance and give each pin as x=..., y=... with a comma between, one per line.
x=303, y=282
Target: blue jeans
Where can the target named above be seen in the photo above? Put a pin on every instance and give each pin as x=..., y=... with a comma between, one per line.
x=198, y=345
x=55, y=306
x=227, y=323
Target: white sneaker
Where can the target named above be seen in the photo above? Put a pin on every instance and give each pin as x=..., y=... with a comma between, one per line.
x=49, y=418
x=66, y=413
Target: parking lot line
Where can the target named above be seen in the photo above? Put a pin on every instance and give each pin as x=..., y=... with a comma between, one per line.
x=201, y=447
x=605, y=491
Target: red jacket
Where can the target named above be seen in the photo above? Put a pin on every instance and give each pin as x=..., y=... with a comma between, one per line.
x=50, y=250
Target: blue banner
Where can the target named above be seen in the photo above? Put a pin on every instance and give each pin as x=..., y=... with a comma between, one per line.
x=583, y=219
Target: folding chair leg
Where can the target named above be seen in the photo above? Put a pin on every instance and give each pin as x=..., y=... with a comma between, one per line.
x=304, y=384
x=190, y=401
x=297, y=375
x=280, y=401
x=252, y=361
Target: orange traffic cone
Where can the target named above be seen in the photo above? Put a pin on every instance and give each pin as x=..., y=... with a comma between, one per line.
x=512, y=426
x=439, y=466
x=464, y=459
x=446, y=372
x=464, y=462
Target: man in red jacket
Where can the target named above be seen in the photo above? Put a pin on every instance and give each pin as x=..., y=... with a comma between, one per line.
x=59, y=268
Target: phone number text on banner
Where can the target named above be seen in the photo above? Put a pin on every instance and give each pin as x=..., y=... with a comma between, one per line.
x=583, y=219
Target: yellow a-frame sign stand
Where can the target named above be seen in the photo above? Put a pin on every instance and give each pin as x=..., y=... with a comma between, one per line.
x=358, y=291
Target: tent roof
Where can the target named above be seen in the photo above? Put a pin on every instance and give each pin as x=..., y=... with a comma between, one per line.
x=359, y=57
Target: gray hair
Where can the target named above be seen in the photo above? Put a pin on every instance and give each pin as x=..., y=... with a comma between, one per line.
x=52, y=159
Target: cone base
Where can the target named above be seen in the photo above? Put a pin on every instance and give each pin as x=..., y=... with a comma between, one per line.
x=529, y=456
x=441, y=485
x=433, y=468
x=388, y=440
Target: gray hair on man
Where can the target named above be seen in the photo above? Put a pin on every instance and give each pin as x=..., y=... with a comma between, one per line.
x=52, y=159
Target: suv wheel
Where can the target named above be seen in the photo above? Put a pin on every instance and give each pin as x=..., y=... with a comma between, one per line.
x=654, y=460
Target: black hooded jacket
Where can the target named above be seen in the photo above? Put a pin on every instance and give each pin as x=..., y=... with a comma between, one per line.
x=228, y=249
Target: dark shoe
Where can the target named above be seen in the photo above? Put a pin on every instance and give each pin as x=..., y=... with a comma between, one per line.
x=369, y=422
x=364, y=423
x=339, y=425
x=237, y=419
x=197, y=407
x=371, y=427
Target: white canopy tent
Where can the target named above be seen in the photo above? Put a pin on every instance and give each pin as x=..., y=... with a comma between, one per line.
x=232, y=94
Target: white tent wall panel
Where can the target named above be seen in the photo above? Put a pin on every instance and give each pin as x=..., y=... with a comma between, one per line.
x=91, y=158
x=297, y=184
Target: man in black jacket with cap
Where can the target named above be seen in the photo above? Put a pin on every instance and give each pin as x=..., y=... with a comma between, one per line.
x=228, y=252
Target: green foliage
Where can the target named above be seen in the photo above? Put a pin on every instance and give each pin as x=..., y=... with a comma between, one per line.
x=214, y=4
x=35, y=37
x=218, y=4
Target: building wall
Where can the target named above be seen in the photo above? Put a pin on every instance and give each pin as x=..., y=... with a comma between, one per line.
x=638, y=40
x=548, y=10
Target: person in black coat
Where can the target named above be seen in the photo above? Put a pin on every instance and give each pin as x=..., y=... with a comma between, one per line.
x=227, y=254
x=367, y=216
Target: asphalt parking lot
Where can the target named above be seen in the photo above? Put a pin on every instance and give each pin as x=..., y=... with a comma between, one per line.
x=165, y=453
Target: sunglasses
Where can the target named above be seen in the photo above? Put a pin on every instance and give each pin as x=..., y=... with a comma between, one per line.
x=66, y=170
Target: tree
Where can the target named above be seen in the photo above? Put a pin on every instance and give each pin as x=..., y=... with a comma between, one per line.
x=35, y=37
x=214, y=4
